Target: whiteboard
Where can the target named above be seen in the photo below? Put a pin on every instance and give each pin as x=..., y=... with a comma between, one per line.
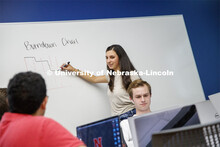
x=154, y=44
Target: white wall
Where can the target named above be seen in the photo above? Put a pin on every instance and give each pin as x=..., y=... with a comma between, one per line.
x=153, y=43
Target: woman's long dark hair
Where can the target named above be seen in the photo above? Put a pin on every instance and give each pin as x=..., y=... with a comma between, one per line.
x=125, y=65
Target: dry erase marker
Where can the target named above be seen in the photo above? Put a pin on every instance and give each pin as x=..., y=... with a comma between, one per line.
x=65, y=65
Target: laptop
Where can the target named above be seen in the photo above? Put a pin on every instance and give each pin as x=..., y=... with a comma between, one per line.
x=215, y=100
x=143, y=126
x=101, y=133
x=206, y=111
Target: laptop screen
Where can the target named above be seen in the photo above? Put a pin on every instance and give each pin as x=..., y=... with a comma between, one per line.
x=142, y=127
x=101, y=133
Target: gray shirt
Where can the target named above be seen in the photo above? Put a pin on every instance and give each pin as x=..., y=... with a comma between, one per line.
x=119, y=98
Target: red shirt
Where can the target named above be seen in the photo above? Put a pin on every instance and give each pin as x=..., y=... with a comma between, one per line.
x=23, y=130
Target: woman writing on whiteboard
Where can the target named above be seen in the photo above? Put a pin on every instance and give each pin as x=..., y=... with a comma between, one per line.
x=117, y=62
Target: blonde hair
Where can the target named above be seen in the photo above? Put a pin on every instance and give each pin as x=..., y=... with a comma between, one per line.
x=136, y=84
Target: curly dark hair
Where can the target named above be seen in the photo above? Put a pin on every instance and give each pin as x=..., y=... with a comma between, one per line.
x=26, y=92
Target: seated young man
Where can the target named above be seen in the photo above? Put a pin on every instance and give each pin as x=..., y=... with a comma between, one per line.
x=140, y=94
x=25, y=125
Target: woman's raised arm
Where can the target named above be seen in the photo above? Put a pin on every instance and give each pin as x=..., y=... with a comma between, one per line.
x=86, y=76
